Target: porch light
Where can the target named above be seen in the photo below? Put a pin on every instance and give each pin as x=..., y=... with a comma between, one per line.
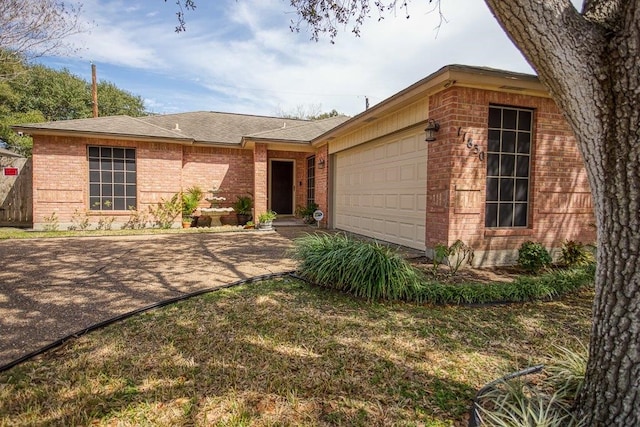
x=321, y=164
x=431, y=129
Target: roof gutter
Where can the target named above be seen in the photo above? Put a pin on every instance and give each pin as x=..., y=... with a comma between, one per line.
x=101, y=135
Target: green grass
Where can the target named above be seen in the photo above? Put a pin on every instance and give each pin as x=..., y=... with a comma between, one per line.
x=286, y=353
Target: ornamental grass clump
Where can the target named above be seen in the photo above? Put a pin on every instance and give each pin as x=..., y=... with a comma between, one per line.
x=548, y=401
x=366, y=270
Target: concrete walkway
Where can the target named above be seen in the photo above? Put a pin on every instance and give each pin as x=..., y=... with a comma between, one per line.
x=50, y=288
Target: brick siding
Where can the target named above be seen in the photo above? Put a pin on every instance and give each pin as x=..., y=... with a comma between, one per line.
x=163, y=169
x=560, y=200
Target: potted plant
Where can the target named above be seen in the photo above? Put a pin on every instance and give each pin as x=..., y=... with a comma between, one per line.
x=243, y=207
x=307, y=213
x=190, y=200
x=266, y=220
x=249, y=225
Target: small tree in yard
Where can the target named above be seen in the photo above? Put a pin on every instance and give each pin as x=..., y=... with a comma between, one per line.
x=590, y=62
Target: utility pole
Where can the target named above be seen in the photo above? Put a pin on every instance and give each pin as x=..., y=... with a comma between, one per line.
x=94, y=89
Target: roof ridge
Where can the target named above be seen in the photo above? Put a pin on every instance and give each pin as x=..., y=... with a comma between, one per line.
x=306, y=123
x=172, y=131
x=230, y=114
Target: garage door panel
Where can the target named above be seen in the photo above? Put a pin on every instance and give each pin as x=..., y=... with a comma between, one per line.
x=381, y=190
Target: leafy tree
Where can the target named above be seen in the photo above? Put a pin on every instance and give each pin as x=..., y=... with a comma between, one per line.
x=326, y=115
x=58, y=95
x=38, y=94
x=61, y=95
x=18, y=143
x=113, y=101
x=590, y=62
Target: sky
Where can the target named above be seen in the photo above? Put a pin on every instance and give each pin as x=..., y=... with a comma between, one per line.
x=240, y=56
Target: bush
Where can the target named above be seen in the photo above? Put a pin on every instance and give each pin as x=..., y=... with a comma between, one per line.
x=524, y=288
x=453, y=256
x=366, y=270
x=532, y=256
x=166, y=211
x=375, y=272
x=575, y=254
x=306, y=213
x=190, y=200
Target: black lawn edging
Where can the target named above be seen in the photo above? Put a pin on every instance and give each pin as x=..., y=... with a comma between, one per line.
x=128, y=314
x=525, y=288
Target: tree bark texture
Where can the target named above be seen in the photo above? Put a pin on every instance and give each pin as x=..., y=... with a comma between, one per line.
x=590, y=62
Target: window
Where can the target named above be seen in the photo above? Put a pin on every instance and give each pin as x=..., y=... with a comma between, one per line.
x=112, y=178
x=508, y=164
x=311, y=180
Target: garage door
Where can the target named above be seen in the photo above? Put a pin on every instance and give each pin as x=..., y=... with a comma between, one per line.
x=380, y=190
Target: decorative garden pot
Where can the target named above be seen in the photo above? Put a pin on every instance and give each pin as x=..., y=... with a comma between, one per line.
x=243, y=218
x=266, y=226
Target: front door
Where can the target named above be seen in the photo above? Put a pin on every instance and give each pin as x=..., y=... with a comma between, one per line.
x=282, y=187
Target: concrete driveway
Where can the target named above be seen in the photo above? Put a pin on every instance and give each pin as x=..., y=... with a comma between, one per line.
x=50, y=288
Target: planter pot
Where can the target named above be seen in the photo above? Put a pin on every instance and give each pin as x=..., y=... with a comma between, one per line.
x=243, y=218
x=267, y=225
x=186, y=224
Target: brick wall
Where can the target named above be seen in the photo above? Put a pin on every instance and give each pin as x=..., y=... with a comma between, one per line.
x=440, y=167
x=61, y=175
x=322, y=183
x=560, y=200
x=260, y=189
x=230, y=170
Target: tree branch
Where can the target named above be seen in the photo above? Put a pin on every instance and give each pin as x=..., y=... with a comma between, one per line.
x=562, y=46
x=606, y=13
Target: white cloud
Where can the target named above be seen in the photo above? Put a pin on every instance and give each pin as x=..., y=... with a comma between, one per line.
x=244, y=58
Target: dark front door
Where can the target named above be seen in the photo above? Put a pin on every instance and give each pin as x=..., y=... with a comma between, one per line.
x=282, y=187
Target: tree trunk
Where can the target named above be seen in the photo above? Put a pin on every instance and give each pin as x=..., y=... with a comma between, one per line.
x=591, y=64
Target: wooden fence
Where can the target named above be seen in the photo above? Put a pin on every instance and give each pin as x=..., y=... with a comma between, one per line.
x=16, y=192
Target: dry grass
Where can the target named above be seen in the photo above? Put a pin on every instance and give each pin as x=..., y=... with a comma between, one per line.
x=284, y=353
x=19, y=233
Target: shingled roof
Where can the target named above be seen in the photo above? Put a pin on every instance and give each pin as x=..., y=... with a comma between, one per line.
x=202, y=127
x=303, y=132
x=217, y=128
x=120, y=126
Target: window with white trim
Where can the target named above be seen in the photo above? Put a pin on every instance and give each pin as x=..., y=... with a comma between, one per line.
x=508, y=167
x=112, y=178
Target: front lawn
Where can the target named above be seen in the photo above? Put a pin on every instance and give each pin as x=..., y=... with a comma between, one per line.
x=19, y=233
x=287, y=353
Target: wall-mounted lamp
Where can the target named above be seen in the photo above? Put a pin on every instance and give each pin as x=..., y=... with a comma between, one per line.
x=321, y=164
x=431, y=129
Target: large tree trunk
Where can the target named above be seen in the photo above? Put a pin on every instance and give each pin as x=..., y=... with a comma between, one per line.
x=591, y=64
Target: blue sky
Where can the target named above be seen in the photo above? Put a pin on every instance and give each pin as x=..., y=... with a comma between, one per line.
x=240, y=56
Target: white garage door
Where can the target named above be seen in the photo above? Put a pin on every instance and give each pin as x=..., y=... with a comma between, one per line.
x=380, y=190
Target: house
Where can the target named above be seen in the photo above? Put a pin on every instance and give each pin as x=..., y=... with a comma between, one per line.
x=499, y=165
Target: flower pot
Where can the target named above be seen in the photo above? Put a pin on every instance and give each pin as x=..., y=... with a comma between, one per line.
x=267, y=225
x=243, y=218
x=186, y=224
